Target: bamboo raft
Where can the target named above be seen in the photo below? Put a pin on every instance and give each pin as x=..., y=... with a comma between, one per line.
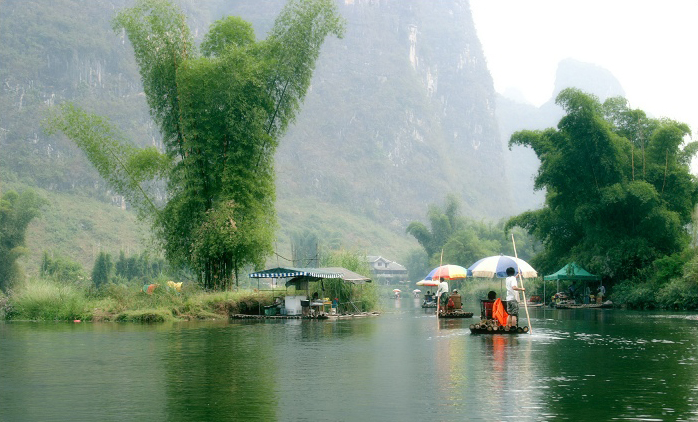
x=319, y=316
x=455, y=314
x=490, y=326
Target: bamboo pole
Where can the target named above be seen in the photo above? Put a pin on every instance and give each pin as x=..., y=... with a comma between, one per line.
x=438, y=297
x=528, y=319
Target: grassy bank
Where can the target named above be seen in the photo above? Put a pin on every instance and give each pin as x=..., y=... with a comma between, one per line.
x=48, y=300
x=45, y=300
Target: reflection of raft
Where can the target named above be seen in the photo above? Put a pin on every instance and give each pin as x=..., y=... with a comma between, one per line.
x=455, y=314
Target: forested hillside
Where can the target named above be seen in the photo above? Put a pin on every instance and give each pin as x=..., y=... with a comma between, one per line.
x=401, y=113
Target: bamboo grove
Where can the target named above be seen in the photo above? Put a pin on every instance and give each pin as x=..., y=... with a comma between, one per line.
x=221, y=109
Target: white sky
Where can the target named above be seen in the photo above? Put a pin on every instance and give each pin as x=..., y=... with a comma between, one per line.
x=649, y=46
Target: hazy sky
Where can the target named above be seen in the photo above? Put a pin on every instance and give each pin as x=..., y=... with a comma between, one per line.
x=649, y=46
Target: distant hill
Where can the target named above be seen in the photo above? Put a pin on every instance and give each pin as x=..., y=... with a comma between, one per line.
x=401, y=112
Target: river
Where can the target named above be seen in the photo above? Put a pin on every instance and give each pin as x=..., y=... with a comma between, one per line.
x=402, y=365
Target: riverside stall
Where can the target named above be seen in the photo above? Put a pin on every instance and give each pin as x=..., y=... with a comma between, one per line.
x=301, y=304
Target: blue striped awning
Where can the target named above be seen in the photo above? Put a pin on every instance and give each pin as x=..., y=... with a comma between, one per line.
x=288, y=272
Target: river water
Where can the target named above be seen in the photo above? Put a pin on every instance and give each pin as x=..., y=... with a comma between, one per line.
x=402, y=365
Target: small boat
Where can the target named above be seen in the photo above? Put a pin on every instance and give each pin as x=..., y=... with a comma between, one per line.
x=429, y=302
x=571, y=305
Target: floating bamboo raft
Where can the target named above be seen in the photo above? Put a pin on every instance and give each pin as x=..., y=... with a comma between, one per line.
x=320, y=316
x=491, y=327
x=455, y=314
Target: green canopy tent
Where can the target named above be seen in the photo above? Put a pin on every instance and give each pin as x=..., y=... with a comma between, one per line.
x=573, y=272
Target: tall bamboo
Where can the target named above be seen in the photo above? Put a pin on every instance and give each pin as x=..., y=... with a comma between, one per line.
x=528, y=319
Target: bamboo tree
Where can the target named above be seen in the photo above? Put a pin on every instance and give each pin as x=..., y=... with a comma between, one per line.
x=597, y=213
x=221, y=115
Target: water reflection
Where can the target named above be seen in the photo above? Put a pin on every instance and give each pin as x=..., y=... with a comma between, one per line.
x=210, y=373
x=405, y=364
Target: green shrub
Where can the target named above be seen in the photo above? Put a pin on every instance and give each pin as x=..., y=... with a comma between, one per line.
x=49, y=300
x=635, y=295
x=145, y=315
x=61, y=269
x=678, y=294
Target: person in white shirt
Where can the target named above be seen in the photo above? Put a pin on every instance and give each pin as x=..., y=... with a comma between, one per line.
x=513, y=290
x=442, y=295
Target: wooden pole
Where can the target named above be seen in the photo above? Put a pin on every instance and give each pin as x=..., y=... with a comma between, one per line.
x=530, y=329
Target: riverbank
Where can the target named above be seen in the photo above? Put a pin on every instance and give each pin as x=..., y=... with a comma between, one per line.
x=50, y=300
x=46, y=300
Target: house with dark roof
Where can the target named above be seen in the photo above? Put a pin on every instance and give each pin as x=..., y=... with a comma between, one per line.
x=386, y=271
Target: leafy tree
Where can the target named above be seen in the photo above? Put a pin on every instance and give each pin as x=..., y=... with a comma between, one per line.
x=102, y=270
x=61, y=269
x=444, y=222
x=16, y=212
x=618, y=187
x=304, y=249
x=364, y=297
x=138, y=266
x=221, y=115
x=416, y=262
x=463, y=241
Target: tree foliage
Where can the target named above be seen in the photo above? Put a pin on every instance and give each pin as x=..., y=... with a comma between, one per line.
x=61, y=269
x=221, y=115
x=17, y=210
x=619, y=192
x=102, y=270
x=351, y=297
x=305, y=249
x=141, y=266
x=454, y=239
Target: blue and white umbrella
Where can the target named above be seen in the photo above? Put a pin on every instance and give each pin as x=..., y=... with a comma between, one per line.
x=496, y=266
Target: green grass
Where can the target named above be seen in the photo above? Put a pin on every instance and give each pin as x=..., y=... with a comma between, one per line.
x=46, y=300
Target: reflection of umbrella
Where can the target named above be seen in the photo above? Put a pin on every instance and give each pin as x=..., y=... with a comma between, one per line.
x=496, y=266
x=448, y=272
x=429, y=282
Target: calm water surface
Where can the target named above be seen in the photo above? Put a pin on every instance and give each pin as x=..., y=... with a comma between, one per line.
x=403, y=365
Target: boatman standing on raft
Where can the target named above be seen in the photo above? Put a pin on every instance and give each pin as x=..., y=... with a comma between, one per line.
x=442, y=293
x=513, y=290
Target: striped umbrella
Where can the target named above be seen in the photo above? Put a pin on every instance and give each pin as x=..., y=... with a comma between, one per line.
x=448, y=272
x=496, y=266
